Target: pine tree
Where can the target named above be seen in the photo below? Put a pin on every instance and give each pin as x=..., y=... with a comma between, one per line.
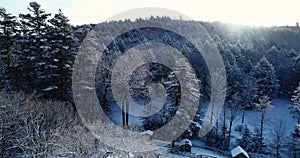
x=235, y=90
x=296, y=64
x=296, y=141
x=34, y=49
x=273, y=51
x=292, y=53
x=264, y=80
x=247, y=85
x=295, y=109
x=61, y=58
x=8, y=33
x=190, y=81
x=190, y=91
x=234, y=80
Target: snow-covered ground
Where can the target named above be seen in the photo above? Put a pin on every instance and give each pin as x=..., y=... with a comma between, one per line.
x=279, y=112
x=197, y=151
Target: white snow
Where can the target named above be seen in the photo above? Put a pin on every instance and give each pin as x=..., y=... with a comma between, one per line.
x=197, y=124
x=89, y=88
x=66, y=47
x=184, y=142
x=41, y=63
x=53, y=66
x=43, y=40
x=131, y=155
x=148, y=132
x=238, y=150
x=197, y=151
x=279, y=112
x=67, y=66
x=45, y=47
x=50, y=88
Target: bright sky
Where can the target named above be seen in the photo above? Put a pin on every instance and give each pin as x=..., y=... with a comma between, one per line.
x=245, y=12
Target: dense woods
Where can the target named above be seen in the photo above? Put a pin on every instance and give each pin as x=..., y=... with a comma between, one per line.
x=38, y=50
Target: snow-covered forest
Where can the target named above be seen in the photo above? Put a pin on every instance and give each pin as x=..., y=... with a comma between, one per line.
x=38, y=115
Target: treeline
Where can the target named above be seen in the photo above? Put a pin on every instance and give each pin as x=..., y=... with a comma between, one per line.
x=38, y=51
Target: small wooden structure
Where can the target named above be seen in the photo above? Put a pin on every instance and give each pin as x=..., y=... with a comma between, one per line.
x=239, y=152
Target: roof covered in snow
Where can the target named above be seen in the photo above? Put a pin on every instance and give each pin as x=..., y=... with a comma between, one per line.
x=148, y=132
x=185, y=142
x=238, y=150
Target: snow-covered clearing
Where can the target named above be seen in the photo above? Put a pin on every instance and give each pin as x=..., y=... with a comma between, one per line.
x=279, y=112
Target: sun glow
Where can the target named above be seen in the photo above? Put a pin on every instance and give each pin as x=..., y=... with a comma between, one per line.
x=252, y=13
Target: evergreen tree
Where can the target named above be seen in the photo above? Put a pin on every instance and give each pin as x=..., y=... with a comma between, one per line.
x=61, y=58
x=292, y=53
x=296, y=67
x=34, y=49
x=296, y=141
x=234, y=80
x=247, y=85
x=274, y=51
x=189, y=82
x=9, y=32
x=295, y=109
x=264, y=80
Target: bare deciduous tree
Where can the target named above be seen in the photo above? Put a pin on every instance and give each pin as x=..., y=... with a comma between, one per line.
x=279, y=135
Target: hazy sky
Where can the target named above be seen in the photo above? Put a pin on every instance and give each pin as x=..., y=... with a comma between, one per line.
x=248, y=12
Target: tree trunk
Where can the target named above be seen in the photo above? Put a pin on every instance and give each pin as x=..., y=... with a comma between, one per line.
x=123, y=112
x=127, y=109
x=243, y=117
x=229, y=131
x=173, y=143
x=224, y=129
x=217, y=128
x=261, y=128
x=277, y=150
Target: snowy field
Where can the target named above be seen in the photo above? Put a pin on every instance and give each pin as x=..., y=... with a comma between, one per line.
x=279, y=112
